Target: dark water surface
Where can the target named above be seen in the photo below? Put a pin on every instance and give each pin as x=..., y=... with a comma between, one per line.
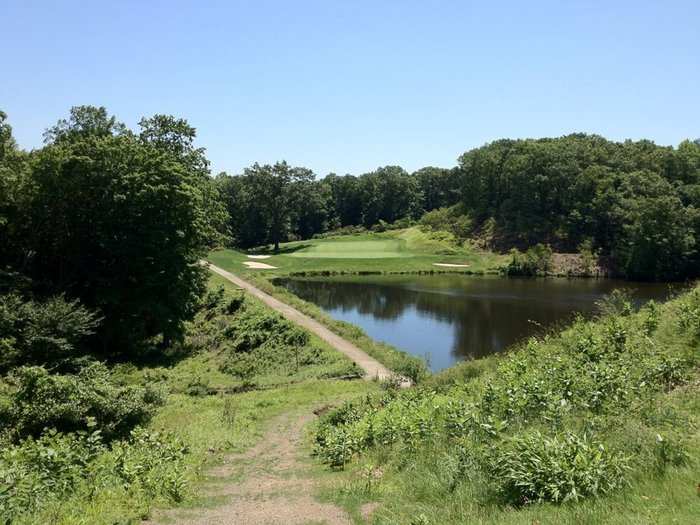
x=452, y=317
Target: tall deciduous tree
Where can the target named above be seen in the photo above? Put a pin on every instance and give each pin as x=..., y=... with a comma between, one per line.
x=120, y=221
x=273, y=191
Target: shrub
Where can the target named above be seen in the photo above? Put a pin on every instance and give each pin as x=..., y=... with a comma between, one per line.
x=49, y=467
x=689, y=314
x=452, y=220
x=535, y=468
x=88, y=400
x=42, y=332
x=39, y=472
x=537, y=260
x=154, y=462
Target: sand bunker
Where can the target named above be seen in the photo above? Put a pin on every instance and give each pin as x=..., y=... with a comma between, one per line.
x=450, y=265
x=259, y=266
x=259, y=256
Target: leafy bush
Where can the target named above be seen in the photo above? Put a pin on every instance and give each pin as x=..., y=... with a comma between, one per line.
x=535, y=468
x=537, y=260
x=689, y=314
x=88, y=400
x=152, y=461
x=250, y=340
x=39, y=472
x=452, y=220
x=49, y=467
x=42, y=332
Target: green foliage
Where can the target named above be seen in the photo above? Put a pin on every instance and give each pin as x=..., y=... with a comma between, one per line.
x=153, y=462
x=88, y=400
x=42, y=332
x=265, y=201
x=537, y=260
x=535, y=468
x=565, y=417
x=589, y=257
x=452, y=220
x=116, y=220
x=689, y=314
x=253, y=341
x=634, y=200
x=40, y=473
x=49, y=467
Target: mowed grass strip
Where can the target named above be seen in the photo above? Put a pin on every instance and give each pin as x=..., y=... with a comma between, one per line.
x=409, y=250
x=355, y=249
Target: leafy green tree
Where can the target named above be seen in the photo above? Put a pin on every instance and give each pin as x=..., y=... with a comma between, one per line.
x=389, y=194
x=120, y=222
x=438, y=186
x=658, y=239
x=271, y=190
x=15, y=189
x=84, y=121
x=248, y=223
x=176, y=137
x=566, y=190
x=42, y=333
x=346, y=199
x=312, y=203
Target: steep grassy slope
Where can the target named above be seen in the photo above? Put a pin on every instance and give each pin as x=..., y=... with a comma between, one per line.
x=596, y=424
x=240, y=366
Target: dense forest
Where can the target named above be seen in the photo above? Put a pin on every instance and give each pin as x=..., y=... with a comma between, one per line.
x=634, y=203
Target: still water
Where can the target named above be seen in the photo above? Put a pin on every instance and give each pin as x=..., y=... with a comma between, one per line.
x=449, y=318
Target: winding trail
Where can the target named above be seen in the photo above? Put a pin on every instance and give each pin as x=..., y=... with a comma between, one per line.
x=272, y=483
x=373, y=368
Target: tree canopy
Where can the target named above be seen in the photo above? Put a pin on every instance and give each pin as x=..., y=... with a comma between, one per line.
x=118, y=220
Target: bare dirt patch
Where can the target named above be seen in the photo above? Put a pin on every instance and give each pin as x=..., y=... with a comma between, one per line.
x=268, y=484
x=367, y=510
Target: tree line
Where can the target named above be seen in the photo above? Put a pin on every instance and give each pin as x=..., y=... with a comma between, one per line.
x=634, y=203
x=119, y=218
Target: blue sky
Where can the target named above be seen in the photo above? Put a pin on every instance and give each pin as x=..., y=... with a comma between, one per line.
x=349, y=86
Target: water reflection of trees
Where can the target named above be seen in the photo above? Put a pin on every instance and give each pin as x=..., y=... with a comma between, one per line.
x=488, y=315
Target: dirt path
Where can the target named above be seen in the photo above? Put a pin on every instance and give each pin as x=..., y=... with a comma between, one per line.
x=373, y=368
x=271, y=484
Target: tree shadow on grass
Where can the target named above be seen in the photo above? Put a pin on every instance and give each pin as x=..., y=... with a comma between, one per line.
x=269, y=250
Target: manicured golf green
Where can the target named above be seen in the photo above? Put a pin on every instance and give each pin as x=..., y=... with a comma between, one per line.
x=355, y=248
x=397, y=251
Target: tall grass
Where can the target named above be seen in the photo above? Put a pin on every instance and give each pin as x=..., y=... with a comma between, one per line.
x=603, y=415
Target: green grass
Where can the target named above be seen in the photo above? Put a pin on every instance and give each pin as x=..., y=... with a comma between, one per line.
x=393, y=358
x=206, y=409
x=628, y=378
x=401, y=251
x=355, y=248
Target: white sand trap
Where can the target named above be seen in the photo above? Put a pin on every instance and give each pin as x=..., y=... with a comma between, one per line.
x=259, y=266
x=259, y=256
x=450, y=265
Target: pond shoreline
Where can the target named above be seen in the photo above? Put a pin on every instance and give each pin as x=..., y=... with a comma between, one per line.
x=454, y=315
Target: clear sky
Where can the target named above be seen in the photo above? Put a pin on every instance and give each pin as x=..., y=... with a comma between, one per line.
x=347, y=86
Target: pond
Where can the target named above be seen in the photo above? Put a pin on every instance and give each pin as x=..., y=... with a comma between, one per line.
x=450, y=317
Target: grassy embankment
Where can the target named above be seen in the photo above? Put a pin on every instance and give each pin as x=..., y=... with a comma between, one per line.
x=596, y=424
x=240, y=366
x=409, y=250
